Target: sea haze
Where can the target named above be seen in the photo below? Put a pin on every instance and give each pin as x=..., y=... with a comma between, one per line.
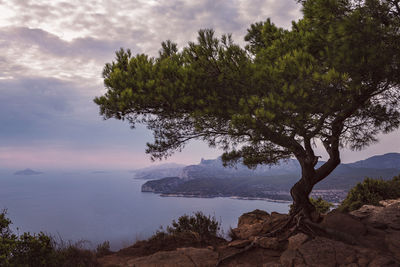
x=98, y=206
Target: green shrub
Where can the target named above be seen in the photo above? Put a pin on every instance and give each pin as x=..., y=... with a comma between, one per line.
x=75, y=255
x=40, y=249
x=199, y=223
x=321, y=205
x=33, y=250
x=7, y=240
x=197, y=230
x=103, y=249
x=370, y=192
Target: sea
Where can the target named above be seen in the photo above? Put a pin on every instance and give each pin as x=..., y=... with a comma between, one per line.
x=93, y=207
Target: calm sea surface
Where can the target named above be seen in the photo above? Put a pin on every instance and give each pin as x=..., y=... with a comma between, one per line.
x=106, y=206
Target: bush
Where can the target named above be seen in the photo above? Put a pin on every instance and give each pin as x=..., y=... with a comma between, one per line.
x=197, y=230
x=33, y=250
x=103, y=249
x=40, y=249
x=321, y=205
x=75, y=255
x=370, y=192
x=205, y=226
x=26, y=249
x=7, y=240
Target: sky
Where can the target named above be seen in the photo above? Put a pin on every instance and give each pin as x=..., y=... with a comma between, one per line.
x=53, y=53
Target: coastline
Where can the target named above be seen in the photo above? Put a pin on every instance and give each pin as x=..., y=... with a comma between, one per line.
x=231, y=197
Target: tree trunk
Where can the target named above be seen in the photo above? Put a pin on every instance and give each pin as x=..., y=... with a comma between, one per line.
x=301, y=190
x=301, y=201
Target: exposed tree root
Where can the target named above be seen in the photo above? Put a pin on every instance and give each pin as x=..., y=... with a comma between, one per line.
x=247, y=248
x=279, y=229
x=296, y=223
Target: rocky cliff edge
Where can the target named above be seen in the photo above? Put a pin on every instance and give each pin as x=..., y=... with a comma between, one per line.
x=369, y=236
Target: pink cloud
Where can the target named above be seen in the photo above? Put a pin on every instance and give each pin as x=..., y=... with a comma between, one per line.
x=64, y=157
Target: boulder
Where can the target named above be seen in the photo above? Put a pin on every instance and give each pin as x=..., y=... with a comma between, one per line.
x=257, y=222
x=246, y=231
x=344, y=222
x=385, y=217
x=253, y=217
x=365, y=211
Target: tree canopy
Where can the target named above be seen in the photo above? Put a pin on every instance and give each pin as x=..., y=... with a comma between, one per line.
x=334, y=77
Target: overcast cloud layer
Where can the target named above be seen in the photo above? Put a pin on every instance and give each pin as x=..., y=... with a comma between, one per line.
x=52, y=57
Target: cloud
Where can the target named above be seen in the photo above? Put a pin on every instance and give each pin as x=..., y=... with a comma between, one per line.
x=73, y=39
x=36, y=52
x=53, y=53
x=146, y=22
x=48, y=43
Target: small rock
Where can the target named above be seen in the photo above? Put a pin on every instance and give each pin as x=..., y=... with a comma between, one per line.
x=297, y=240
x=388, y=202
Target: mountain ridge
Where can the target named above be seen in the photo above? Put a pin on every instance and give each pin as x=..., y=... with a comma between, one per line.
x=211, y=179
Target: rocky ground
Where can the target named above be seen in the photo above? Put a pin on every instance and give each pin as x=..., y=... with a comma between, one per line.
x=369, y=236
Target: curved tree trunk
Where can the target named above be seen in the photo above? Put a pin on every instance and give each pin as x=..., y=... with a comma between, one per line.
x=300, y=192
x=301, y=202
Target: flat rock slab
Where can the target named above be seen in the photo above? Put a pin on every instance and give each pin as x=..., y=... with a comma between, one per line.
x=345, y=223
x=326, y=252
x=384, y=217
x=183, y=257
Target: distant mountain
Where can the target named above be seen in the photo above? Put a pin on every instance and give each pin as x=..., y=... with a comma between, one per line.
x=27, y=172
x=210, y=178
x=158, y=171
x=214, y=168
x=386, y=161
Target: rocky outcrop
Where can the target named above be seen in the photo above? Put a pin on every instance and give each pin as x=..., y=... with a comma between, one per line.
x=381, y=217
x=165, y=185
x=369, y=236
x=322, y=251
x=257, y=222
